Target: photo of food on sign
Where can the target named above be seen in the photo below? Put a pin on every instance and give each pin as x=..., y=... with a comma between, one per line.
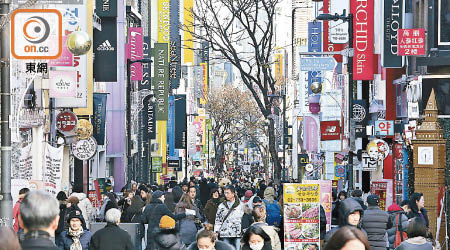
x=310, y=211
x=300, y=231
x=310, y=231
x=292, y=212
x=293, y=231
x=310, y=247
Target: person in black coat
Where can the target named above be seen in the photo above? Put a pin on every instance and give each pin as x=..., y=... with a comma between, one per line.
x=417, y=203
x=112, y=203
x=167, y=238
x=350, y=214
x=111, y=237
x=357, y=194
x=153, y=213
x=375, y=223
x=204, y=192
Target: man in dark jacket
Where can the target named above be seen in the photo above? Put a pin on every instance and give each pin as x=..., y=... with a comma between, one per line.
x=357, y=194
x=111, y=237
x=351, y=214
x=375, y=223
x=39, y=216
x=153, y=213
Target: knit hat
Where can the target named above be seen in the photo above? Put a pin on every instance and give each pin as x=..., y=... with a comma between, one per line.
x=157, y=194
x=74, y=214
x=166, y=222
x=373, y=199
x=248, y=193
x=394, y=207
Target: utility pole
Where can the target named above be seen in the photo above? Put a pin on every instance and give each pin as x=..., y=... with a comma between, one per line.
x=6, y=204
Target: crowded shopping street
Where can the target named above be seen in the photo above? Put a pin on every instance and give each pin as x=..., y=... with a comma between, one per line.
x=224, y=124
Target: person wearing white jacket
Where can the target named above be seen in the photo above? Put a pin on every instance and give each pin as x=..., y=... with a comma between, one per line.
x=85, y=204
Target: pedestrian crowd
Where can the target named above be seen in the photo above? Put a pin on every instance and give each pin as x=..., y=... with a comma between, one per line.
x=207, y=215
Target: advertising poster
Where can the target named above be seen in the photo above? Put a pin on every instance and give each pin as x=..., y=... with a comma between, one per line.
x=325, y=197
x=301, y=216
x=53, y=169
x=383, y=188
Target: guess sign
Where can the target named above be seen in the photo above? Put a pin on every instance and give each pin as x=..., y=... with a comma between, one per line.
x=411, y=42
x=363, y=58
x=66, y=122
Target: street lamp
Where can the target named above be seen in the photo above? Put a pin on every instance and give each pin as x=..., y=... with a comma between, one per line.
x=128, y=114
x=346, y=18
x=284, y=130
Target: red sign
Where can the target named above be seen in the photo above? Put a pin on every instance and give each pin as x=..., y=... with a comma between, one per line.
x=411, y=42
x=330, y=130
x=363, y=58
x=380, y=188
x=66, y=121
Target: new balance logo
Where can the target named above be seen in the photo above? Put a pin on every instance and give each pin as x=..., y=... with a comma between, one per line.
x=106, y=45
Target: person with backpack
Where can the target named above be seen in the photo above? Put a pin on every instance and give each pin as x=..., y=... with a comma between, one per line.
x=375, y=223
x=398, y=222
x=272, y=207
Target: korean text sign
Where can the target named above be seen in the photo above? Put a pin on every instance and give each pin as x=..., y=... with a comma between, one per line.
x=301, y=216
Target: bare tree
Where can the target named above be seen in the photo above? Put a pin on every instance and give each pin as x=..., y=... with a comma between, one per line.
x=243, y=32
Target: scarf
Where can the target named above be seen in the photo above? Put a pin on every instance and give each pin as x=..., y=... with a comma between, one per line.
x=76, y=244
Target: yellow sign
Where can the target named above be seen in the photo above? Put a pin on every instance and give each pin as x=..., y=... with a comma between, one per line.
x=189, y=28
x=279, y=74
x=163, y=21
x=301, y=193
x=204, y=98
x=161, y=139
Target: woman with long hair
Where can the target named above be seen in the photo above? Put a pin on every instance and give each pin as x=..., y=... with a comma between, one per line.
x=348, y=238
x=417, y=205
x=417, y=237
x=212, y=205
x=188, y=227
x=255, y=238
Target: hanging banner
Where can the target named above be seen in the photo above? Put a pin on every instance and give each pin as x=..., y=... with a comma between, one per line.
x=328, y=44
x=392, y=22
x=338, y=30
x=180, y=121
x=164, y=21
x=161, y=139
x=156, y=165
x=279, y=63
x=301, y=216
x=63, y=84
x=204, y=98
x=325, y=197
x=383, y=188
x=24, y=170
x=363, y=59
x=53, y=169
x=314, y=45
x=161, y=80
x=311, y=134
x=105, y=49
x=171, y=127
x=99, y=118
x=188, y=40
x=175, y=45
x=135, y=47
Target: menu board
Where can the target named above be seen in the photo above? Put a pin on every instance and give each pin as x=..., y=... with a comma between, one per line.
x=325, y=198
x=301, y=216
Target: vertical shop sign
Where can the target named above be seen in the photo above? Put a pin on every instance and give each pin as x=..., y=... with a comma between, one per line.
x=105, y=49
x=161, y=80
x=106, y=8
x=171, y=126
x=204, y=98
x=53, y=169
x=180, y=121
x=99, y=117
x=338, y=29
x=314, y=45
x=363, y=59
x=135, y=51
x=328, y=44
x=392, y=22
x=301, y=216
x=175, y=45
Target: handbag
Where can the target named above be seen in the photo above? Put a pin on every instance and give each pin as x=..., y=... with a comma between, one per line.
x=400, y=235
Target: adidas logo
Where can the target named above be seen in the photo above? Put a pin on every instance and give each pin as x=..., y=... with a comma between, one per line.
x=106, y=45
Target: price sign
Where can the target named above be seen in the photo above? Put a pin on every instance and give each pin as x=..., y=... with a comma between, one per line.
x=66, y=121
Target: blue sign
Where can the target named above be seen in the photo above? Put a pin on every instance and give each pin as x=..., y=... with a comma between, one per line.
x=317, y=63
x=314, y=45
x=171, y=126
x=384, y=128
x=339, y=171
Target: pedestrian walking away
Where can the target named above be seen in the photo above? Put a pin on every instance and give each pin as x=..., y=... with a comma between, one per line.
x=375, y=223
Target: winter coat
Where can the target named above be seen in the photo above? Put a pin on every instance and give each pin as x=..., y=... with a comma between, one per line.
x=152, y=215
x=346, y=207
x=67, y=211
x=16, y=212
x=211, y=210
x=414, y=213
x=269, y=194
x=231, y=226
x=38, y=240
x=177, y=193
x=247, y=218
x=188, y=229
x=111, y=237
x=403, y=220
x=273, y=234
x=220, y=245
x=416, y=243
x=123, y=203
x=85, y=206
x=168, y=240
x=204, y=193
x=134, y=213
x=62, y=217
x=67, y=241
x=375, y=223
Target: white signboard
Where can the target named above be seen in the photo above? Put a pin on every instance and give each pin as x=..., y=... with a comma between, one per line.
x=63, y=83
x=338, y=30
x=84, y=149
x=25, y=167
x=53, y=168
